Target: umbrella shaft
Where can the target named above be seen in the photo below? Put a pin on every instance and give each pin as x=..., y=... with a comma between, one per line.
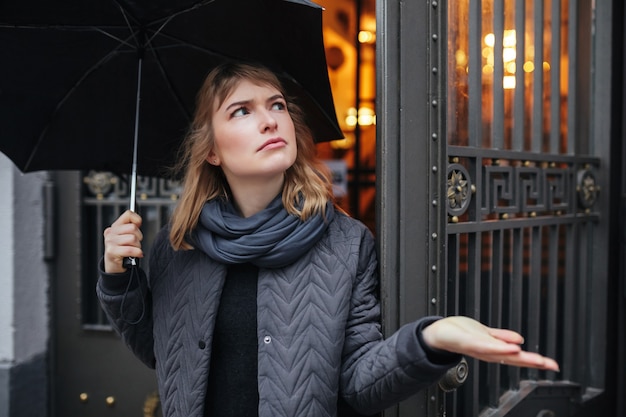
x=133, y=174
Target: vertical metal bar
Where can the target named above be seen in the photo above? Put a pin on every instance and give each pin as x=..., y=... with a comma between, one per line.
x=472, y=301
x=495, y=310
x=518, y=103
x=454, y=290
x=403, y=167
x=552, y=296
x=505, y=303
x=453, y=271
x=355, y=192
x=516, y=296
x=570, y=326
x=537, y=121
x=49, y=212
x=475, y=170
x=497, y=139
x=100, y=225
x=158, y=216
x=555, y=78
x=582, y=286
x=497, y=270
x=475, y=74
x=586, y=68
x=572, y=76
x=600, y=276
x=534, y=295
x=474, y=298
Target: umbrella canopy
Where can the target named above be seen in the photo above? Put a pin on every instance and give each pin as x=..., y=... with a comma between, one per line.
x=80, y=80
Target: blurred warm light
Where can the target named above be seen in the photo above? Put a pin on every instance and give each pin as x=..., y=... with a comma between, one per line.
x=351, y=117
x=363, y=117
x=510, y=67
x=508, y=54
x=508, y=82
x=366, y=36
x=367, y=117
x=490, y=40
x=509, y=57
x=461, y=58
x=509, y=40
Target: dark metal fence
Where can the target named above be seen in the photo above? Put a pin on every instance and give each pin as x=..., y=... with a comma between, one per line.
x=522, y=192
x=518, y=257
x=105, y=197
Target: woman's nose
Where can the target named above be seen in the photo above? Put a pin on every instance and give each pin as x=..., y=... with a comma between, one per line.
x=268, y=121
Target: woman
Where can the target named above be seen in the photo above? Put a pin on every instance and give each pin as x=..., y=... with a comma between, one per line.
x=262, y=296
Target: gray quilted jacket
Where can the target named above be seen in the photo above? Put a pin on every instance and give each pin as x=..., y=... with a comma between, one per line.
x=319, y=332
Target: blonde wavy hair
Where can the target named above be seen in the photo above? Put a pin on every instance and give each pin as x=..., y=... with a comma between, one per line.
x=307, y=187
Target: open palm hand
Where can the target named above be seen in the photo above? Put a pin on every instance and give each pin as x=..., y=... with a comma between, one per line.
x=469, y=337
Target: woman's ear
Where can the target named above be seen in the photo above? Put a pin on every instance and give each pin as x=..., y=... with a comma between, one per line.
x=213, y=159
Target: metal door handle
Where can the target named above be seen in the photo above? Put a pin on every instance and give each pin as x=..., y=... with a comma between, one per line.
x=455, y=377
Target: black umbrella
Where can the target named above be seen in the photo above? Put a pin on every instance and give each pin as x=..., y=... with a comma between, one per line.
x=83, y=83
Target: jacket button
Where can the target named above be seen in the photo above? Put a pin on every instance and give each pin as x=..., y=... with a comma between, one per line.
x=201, y=344
x=267, y=340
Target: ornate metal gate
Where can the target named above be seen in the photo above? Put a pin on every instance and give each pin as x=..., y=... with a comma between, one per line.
x=498, y=162
x=522, y=197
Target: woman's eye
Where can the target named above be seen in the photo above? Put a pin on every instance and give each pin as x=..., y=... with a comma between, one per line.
x=279, y=105
x=241, y=111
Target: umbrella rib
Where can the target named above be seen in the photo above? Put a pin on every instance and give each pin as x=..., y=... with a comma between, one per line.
x=169, y=84
x=74, y=28
x=173, y=15
x=186, y=43
x=156, y=32
x=117, y=38
x=125, y=16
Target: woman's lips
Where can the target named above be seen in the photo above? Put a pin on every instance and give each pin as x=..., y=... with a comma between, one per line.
x=272, y=144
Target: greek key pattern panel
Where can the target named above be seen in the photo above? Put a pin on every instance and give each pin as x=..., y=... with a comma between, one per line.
x=106, y=186
x=507, y=185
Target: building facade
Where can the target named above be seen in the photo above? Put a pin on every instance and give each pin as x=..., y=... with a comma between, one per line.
x=25, y=314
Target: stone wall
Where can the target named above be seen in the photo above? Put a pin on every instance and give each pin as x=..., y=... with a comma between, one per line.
x=24, y=294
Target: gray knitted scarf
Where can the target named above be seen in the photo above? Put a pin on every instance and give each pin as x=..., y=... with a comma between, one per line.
x=272, y=238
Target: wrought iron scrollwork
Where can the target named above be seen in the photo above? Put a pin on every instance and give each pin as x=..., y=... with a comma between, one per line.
x=587, y=188
x=106, y=185
x=459, y=189
x=100, y=183
x=514, y=188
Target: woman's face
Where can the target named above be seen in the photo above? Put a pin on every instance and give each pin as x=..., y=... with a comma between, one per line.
x=254, y=134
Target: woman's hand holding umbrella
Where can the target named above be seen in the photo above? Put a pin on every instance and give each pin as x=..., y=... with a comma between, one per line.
x=470, y=338
x=122, y=240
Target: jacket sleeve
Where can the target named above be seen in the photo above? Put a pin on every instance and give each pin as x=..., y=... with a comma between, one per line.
x=378, y=373
x=126, y=299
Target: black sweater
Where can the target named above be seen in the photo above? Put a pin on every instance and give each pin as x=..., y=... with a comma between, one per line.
x=233, y=390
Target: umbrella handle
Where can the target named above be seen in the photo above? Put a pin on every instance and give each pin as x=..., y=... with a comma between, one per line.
x=129, y=262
